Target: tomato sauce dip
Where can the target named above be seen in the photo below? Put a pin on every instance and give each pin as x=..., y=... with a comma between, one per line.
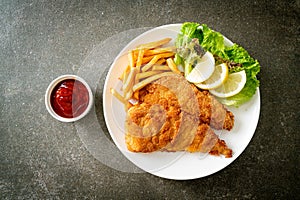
x=69, y=98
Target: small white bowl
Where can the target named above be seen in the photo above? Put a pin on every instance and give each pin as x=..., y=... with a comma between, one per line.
x=49, y=90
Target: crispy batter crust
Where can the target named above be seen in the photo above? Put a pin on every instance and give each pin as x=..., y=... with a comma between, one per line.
x=213, y=112
x=207, y=141
x=212, y=115
x=139, y=114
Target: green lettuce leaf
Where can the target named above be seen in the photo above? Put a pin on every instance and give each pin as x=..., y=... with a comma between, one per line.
x=251, y=66
x=191, y=30
x=213, y=42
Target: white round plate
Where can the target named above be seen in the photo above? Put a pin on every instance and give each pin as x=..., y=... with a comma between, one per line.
x=178, y=165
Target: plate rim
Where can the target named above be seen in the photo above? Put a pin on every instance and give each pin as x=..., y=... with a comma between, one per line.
x=158, y=173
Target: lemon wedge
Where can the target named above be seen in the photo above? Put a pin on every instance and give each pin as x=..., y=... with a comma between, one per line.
x=233, y=85
x=203, y=70
x=218, y=77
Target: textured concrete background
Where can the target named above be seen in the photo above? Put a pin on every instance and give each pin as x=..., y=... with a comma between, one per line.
x=42, y=158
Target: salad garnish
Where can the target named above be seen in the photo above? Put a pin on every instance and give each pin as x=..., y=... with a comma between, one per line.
x=196, y=39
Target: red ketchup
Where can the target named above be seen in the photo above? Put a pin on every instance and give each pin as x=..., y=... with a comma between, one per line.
x=69, y=98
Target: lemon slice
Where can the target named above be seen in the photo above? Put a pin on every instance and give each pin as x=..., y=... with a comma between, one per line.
x=218, y=77
x=203, y=70
x=233, y=85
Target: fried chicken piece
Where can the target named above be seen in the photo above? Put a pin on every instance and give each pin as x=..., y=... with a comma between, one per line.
x=165, y=121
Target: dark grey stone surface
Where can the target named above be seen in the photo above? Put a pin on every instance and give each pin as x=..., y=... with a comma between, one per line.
x=42, y=158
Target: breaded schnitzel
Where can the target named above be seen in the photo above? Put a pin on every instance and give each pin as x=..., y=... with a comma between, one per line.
x=167, y=120
x=213, y=112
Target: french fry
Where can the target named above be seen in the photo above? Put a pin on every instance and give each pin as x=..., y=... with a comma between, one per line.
x=128, y=94
x=151, y=63
x=139, y=59
x=124, y=75
x=127, y=86
x=118, y=96
x=131, y=58
x=151, y=52
x=167, y=55
x=146, y=81
x=152, y=45
x=160, y=68
x=156, y=58
x=160, y=61
x=173, y=66
x=135, y=54
x=147, y=59
x=143, y=75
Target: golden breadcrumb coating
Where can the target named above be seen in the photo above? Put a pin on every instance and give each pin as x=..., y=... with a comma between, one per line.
x=156, y=122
